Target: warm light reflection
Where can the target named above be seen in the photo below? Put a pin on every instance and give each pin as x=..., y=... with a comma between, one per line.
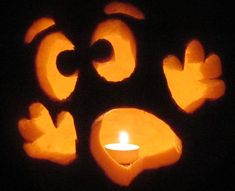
x=44, y=140
x=195, y=81
x=38, y=26
x=122, y=62
x=123, y=8
x=159, y=145
x=56, y=85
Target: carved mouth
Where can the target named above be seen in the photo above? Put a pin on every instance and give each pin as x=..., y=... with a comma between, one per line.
x=159, y=145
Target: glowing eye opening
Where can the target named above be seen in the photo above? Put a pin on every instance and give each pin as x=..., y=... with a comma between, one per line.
x=119, y=42
x=55, y=85
x=123, y=137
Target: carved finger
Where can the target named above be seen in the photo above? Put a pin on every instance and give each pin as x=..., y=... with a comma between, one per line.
x=39, y=124
x=214, y=89
x=29, y=130
x=212, y=67
x=65, y=125
x=171, y=62
x=194, y=53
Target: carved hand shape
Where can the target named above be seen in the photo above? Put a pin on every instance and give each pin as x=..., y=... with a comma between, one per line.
x=43, y=140
x=195, y=81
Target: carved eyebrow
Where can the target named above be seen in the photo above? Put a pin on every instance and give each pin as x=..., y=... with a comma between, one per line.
x=37, y=27
x=124, y=8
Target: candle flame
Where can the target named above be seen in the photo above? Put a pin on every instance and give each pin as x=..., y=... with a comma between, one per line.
x=123, y=137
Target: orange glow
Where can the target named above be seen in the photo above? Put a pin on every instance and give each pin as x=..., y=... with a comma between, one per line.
x=56, y=85
x=38, y=26
x=43, y=140
x=197, y=80
x=159, y=145
x=122, y=62
x=123, y=8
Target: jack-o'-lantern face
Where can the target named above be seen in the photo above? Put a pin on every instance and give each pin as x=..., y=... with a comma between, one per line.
x=113, y=53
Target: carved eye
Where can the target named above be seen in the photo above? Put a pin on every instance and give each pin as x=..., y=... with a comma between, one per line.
x=55, y=84
x=120, y=46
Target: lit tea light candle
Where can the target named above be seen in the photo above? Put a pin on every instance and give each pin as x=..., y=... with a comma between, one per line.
x=123, y=152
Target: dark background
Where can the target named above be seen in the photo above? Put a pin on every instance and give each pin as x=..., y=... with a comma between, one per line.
x=208, y=137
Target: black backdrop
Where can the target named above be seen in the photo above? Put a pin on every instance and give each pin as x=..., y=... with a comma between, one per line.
x=207, y=162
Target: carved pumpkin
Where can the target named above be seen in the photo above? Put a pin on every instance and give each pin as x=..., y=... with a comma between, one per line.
x=191, y=81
